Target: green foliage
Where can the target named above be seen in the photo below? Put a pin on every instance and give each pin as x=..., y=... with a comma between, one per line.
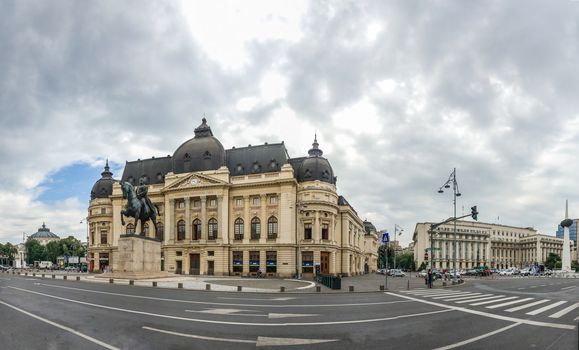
x=406, y=261
x=8, y=251
x=422, y=266
x=54, y=250
x=553, y=261
x=35, y=251
x=575, y=266
x=384, y=251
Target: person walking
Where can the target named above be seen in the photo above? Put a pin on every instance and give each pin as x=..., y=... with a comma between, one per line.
x=429, y=278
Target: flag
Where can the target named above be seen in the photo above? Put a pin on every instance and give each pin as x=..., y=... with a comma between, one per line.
x=400, y=229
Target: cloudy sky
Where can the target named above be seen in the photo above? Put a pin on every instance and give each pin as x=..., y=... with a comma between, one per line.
x=399, y=92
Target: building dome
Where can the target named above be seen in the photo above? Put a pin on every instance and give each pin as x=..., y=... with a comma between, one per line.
x=202, y=152
x=103, y=188
x=315, y=167
x=44, y=233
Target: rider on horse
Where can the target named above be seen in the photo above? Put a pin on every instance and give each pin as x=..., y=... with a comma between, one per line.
x=141, y=192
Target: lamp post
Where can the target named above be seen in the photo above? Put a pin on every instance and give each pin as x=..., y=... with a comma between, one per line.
x=456, y=193
x=85, y=220
x=299, y=206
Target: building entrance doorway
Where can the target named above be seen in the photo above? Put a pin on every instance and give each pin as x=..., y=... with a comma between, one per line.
x=211, y=268
x=195, y=263
x=179, y=269
x=325, y=263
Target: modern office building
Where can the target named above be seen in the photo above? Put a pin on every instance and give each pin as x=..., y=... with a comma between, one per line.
x=235, y=211
x=483, y=244
x=572, y=231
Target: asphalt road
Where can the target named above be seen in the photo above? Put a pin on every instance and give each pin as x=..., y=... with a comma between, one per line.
x=488, y=314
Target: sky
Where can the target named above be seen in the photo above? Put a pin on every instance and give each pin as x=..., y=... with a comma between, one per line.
x=399, y=93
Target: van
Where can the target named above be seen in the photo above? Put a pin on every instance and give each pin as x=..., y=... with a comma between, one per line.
x=45, y=265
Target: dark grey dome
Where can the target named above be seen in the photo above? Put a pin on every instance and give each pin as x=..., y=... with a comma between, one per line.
x=202, y=152
x=103, y=188
x=44, y=232
x=315, y=167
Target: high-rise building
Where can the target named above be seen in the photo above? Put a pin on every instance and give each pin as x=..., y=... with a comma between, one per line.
x=572, y=231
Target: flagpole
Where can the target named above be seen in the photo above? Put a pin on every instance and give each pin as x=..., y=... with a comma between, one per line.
x=394, y=245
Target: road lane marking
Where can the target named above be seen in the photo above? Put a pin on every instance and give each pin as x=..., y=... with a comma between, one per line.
x=267, y=299
x=487, y=314
x=564, y=311
x=568, y=287
x=70, y=330
x=229, y=322
x=472, y=297
x=472, y=340
x=479, y=299
x=492, y=301
x=509, y=303
x=527, y=305
x=261, y=341
x=545, y=308
x=436, y=291
x=455, y=295
x=223, y=304
x=236, y=312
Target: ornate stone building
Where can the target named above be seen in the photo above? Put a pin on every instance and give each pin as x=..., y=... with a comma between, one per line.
x=43, y=235
x=483, y=244
x=235, y=211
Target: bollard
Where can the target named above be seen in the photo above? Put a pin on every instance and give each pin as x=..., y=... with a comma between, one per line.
x=282, y=289
x=25, y=273
x=154, y=284
x=111, y=280
x=53, y=276
x=33, y=274
x=350, y=288
x=239, y=288
x=42, y=275
x=64, y=277
x=179, y=285
x=131, y=282
x=381, y=287
x=318, y=289
x=207, y=286
x=78, y=278
x=408, y=285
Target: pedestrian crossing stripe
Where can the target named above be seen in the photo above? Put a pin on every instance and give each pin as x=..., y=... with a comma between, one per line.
x=564, y=311
x=492, y=301
x=479, y=299
x=545, y=308
x=509, y=303
x=526, y=306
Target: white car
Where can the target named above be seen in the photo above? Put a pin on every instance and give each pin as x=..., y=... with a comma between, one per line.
x=507, y=272
x=422, y=273
x=397, y=273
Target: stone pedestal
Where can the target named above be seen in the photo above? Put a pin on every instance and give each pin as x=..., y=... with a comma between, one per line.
x=137, y=255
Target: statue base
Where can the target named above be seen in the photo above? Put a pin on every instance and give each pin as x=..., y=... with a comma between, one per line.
x=137, y=255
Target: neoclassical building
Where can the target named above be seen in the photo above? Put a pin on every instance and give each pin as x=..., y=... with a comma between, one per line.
x=235, y=211
x=483, y=244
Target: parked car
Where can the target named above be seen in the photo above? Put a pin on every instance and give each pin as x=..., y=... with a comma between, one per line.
x=422, y=273
x=525, y=272
x=507, y=272
x=396, y=273
x=70, y=269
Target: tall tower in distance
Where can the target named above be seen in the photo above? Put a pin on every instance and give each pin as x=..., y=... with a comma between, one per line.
x=566, y=258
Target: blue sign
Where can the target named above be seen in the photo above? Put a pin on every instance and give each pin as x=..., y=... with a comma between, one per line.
x=385, y=237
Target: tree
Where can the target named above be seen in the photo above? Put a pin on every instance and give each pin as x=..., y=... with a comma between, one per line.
x=406, y=261
x=384, y=250
x=54, y=249
x=422, y=266
x=72, y=246
x=553, y=261
x=35, y=251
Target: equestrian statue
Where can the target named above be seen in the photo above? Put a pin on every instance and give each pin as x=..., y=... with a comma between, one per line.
x=139, y=205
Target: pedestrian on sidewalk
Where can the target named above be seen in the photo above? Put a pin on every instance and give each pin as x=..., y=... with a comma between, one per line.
x=429, y=278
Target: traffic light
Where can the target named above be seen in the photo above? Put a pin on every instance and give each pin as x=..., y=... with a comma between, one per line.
x=474, y=213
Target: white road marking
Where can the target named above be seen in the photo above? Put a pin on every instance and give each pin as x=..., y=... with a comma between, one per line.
x=568, y=287
x=509, y=303
x=492, y=301
x=527, y=305
x=479, y=299
x=454, y=295
x=236, y=312
x=261, y=341
x=223, y=304
x=70, y=330
x=472, y=340
x=545, y=308
x=487, y=314
x=431, y=291
x=228, y=322
x=564, y=311
x=469, y=297
x=268, y=299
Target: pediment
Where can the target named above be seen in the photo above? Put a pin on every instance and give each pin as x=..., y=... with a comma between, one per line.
x=193, y=181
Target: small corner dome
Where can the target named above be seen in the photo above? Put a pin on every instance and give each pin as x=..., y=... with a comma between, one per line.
x=315, y=167
x=103, y=187
x=202, y=152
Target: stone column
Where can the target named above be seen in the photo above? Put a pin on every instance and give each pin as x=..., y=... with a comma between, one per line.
x=188, y=222
x=246, y=220
x=204, y=232
x=222, y=226
x=316, y=235
x=169, y=220
x=263, y=219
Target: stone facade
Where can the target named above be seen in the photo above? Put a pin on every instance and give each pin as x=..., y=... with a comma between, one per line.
x=226, y=222
x=483, y=244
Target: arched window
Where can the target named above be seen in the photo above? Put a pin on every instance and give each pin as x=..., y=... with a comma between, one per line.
x=212, y=229
x=130, y=229
x=238, y=229
x=160, y=233
x=196, y=229
x=272, y=228
x=146, y=229
x=255, y=228
x=181, y=230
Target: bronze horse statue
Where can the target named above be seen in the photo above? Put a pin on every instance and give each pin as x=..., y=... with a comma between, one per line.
x=139, y=206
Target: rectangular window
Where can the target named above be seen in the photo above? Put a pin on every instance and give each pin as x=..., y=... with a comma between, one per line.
x=213, y=202
x=271, y=262
x=255, y=201
x=103, y=237
x=308, y=262
x=197, y=203
x=196, y=230
x=308, y=231
x=325, y=231
x=212, y=234
x=103, y=210
x=210, y=253
x=181, y=204
x=253, y=261
x=239, y=202
x=92, y=237
x=179, y=253
x=273, y=200
x=238, y=262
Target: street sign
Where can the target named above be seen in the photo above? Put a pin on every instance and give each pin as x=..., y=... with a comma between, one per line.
x=385, y=237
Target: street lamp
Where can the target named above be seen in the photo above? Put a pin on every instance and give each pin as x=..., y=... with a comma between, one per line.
x=456, y=193
x=399, y=230
x=85, y=220
x=299, y=206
